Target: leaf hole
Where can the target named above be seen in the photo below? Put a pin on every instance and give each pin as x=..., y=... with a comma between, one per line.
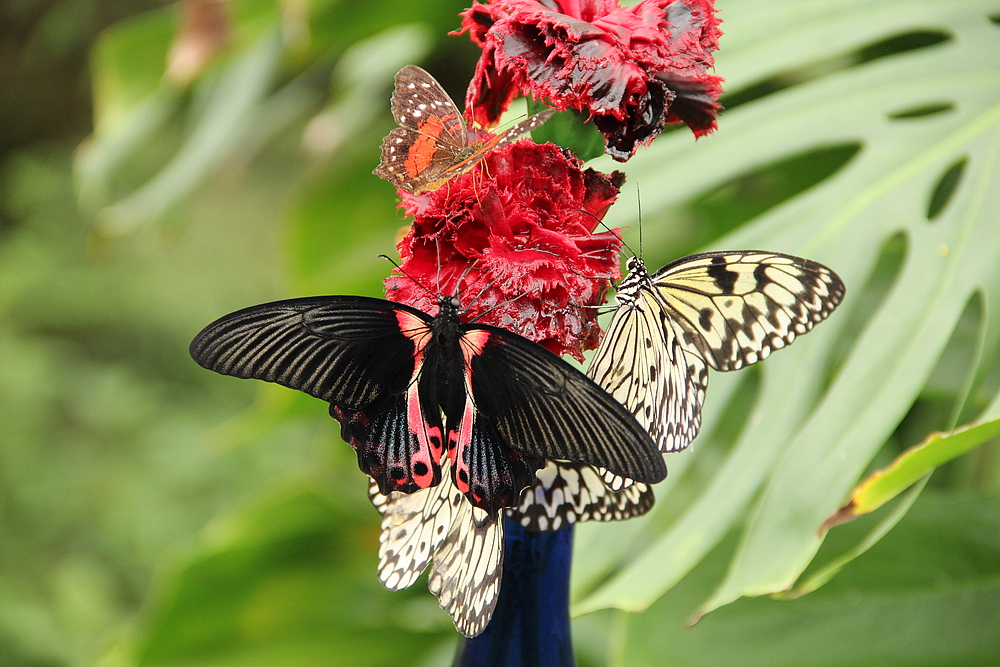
x=910, y=41
x=922, y=110
x=945, y=189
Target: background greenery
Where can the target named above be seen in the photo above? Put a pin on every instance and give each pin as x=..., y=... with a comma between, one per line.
x=152, y=513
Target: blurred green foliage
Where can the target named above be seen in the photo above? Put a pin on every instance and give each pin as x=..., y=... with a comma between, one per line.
x=152, y=513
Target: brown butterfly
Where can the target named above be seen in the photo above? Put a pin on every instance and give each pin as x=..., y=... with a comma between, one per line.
x=432, y=144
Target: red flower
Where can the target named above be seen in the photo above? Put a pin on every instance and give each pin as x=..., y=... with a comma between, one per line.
x=512, y=240
x=633, y=68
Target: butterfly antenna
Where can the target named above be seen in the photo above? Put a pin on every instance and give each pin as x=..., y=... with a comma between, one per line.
x=638, y=202
x=605, y=306
x=605, y=225
x=502, y=303
x=583, y=275
x=483, y=291
x=437, y=246
x=458, y=285
x=414, y=280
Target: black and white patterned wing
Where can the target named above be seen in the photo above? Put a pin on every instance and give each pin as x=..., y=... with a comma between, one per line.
x=467, y=568
x=734, y=308
x=642, y=364
x=463, y=545
x=414, y=526
x=567, y=492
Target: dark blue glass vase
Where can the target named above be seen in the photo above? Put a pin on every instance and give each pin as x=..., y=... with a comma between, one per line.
x=530, y=626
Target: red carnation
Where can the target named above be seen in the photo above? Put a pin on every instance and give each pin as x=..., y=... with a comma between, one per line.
x=633, y=68
x=518, y=232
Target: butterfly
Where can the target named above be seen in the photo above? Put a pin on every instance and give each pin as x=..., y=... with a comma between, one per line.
x=720, y=309
x=389, y=371
x=464, y=544
x=432, y=143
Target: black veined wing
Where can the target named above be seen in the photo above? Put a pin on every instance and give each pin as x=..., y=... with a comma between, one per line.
x=720, y=309
x=431, y=144
x=389, y=371
x=464, y=544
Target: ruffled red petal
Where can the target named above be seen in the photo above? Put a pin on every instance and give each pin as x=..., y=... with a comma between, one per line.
x=633, y=68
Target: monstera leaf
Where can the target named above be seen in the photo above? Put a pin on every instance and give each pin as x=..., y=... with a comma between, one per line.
x=907, y=93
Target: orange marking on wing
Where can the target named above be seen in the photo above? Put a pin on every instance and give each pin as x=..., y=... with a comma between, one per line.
x=422, y=151
x=420, y=156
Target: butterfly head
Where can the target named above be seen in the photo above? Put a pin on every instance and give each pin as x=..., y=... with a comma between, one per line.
x=636, y=266
x=449, y=304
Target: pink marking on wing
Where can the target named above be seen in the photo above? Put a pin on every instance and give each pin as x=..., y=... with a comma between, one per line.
x=429, y=446
x=458, y=443
x=417, y=330
x=472, y=343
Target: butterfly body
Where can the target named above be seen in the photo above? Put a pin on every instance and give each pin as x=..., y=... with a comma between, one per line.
x=390, y=371
x=432, y=143
x=723, y=310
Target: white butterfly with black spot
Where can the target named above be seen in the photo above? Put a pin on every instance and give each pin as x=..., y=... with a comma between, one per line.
x=720, y=309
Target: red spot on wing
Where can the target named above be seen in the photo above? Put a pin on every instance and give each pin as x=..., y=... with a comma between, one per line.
x=429, y=444
x=459, y=440
x=428, y=437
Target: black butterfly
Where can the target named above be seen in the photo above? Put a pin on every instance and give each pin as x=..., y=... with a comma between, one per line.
x=389, y=371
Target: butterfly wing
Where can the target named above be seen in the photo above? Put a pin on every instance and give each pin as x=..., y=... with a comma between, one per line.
x=467, y=158
x=431, y=137
x=465, y=544
x=362, y=355
x=642, y=364
x=542, y=407
x=467, y=569
x=735, y=308
x=567, y=492
x=484, y=466
x=414, y=526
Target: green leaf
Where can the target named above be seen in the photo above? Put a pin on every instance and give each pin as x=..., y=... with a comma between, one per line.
x=910, y=466
x=569, y=129
x=827, y=571
x=928, y=594
x=128, y=64
x=226, y=116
